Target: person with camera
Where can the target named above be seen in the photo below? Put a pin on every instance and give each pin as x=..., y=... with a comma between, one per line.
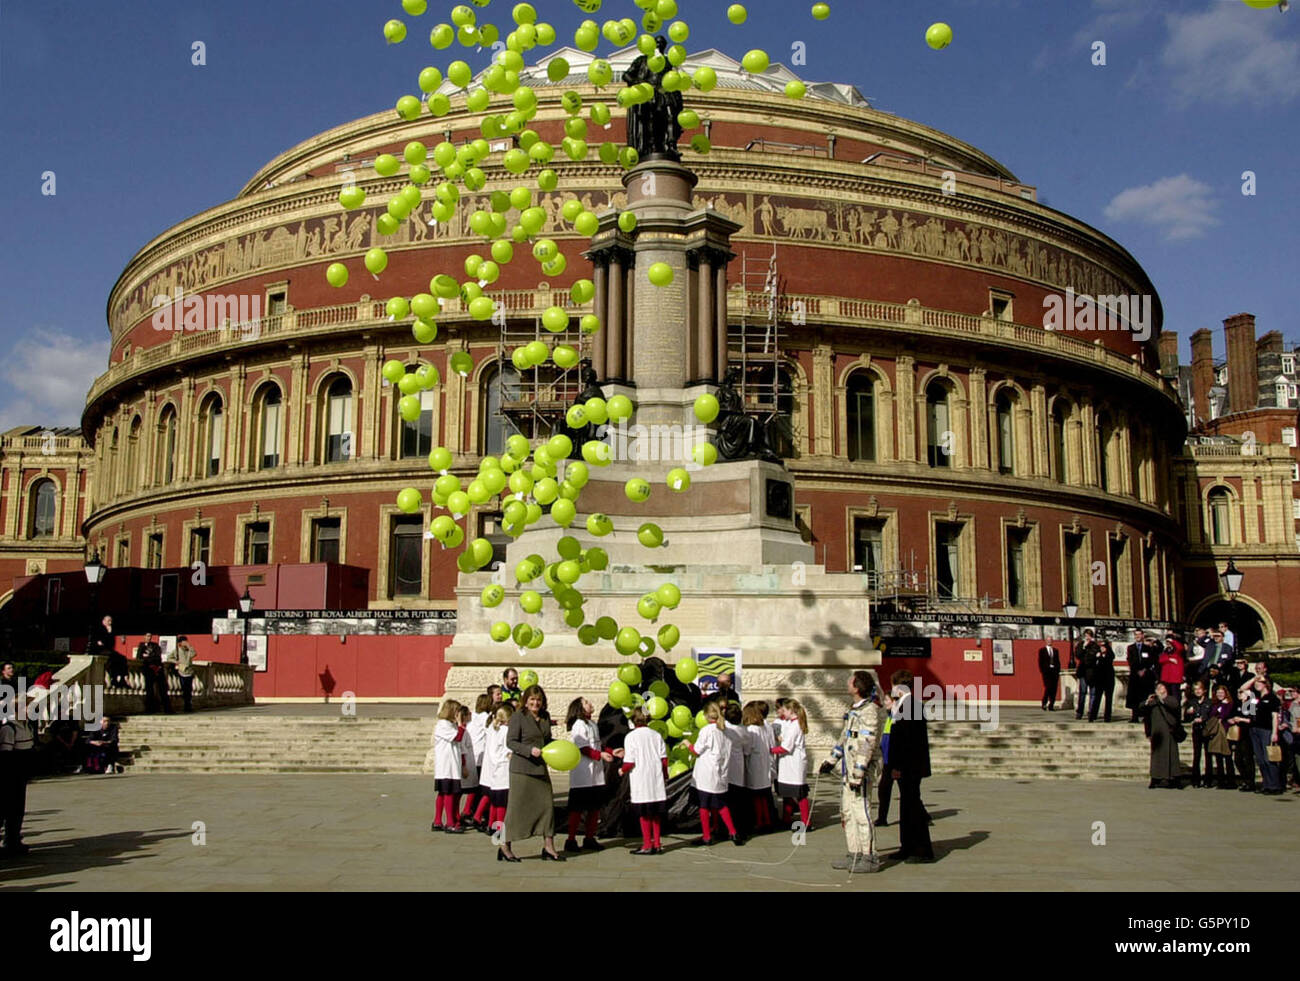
x=1173, y=666
x=1241, y=723
x=856, y=756
x=1099, y=662
x=1087, y=648
x=1160, y=713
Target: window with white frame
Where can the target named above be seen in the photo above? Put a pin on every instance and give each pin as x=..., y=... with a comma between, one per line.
x=1288, y=435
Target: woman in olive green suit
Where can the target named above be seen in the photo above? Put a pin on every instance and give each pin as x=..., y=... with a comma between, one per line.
x=531, y=811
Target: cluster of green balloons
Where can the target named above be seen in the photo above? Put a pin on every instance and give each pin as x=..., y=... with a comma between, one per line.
x=534, y=481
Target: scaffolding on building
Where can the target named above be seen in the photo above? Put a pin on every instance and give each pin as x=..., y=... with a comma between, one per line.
x=754, y=341
x=534, y=402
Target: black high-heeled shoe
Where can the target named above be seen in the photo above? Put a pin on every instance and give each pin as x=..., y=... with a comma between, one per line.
x=548, y=857
x=503, y=857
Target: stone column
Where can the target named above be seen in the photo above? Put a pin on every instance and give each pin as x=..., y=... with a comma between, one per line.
x=1087, y=444
x=706, y=348
x=455, y=387
x=630, y=319
x=600, y=344
x=1038, y=429
x=616, y=346
x=372, y=388
x=299, y=424
x=979, y=459
x=720, y=324
x=236, y=418
x=905, y=373
x=824, y=383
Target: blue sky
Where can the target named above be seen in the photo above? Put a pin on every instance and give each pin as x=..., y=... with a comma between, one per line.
x=1150, y=147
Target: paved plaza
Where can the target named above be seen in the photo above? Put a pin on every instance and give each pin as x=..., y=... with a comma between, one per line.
x=135, y=832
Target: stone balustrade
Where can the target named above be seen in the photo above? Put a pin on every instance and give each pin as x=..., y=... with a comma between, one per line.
x=216, y=684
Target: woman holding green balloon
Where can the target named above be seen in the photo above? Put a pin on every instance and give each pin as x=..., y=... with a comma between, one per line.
x=532, y=805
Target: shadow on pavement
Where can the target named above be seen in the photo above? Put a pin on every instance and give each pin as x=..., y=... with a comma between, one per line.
x=71, y=855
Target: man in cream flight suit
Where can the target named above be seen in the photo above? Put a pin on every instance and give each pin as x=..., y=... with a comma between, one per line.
x=857, y=757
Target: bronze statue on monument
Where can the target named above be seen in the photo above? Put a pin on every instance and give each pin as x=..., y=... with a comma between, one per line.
x=652, y=127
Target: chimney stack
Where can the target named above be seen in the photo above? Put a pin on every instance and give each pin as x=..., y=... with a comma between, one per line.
x=1167, y=345
x=1243, y=372
x=1270, y=343
x=1202, y=373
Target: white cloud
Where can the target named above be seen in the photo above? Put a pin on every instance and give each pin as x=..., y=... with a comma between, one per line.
x=1231, y=54
x=47, y=373
x=1179, y=207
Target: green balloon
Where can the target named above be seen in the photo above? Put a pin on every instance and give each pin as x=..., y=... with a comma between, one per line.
x=669, y=635
x=668, y=595
x=648, y=607
x=561, y=755
x=629, y=674
x=686, y=670
x=659, y=688
x=650, y=535
x=619, y=694
x=607, y=628
x=500, y=631
x=657, y=707
x=681, y=717
x=587, y=635
x=627, y=641
x=707, y=408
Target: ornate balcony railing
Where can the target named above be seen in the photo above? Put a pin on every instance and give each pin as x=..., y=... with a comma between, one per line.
x=830, y=310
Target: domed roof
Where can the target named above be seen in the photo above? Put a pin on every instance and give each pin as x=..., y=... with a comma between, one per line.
x=730, y=75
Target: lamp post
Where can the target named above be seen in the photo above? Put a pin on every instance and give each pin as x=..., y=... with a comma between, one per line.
x=1230, y=579
x=245, y=608
x=1071, y=611
x=94, y=574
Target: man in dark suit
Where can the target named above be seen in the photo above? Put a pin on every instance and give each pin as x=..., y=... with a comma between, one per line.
x=1100, y=663
x=1219, y=651
x=909, y=756
x=1143, y=669
x=1049, y=666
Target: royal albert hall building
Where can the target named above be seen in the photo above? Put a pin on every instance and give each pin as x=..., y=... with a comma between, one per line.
x=943, y=441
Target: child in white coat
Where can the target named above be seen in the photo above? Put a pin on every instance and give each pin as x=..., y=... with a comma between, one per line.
x=496, y=767
x=758, y=766
x=710, y=773
x=645, y=759
x=587, y=779
x=791, y=774
x=448, y=737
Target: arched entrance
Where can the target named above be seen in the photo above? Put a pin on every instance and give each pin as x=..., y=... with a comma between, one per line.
x=1252, y=627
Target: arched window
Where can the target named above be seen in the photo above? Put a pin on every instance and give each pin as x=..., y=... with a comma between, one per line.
x=165, y=466
x=338, y=420
x=939, y=436
x=1220, y=504
x=269, y=406
x=1060, y=461
x=1006, y=438
x=860, y=395
x=213, y=434
x=497, y=382
x=42, y=508
x=417, y=437
x=1104, y=432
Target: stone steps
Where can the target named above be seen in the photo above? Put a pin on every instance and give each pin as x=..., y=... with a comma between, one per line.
x=235, y=743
